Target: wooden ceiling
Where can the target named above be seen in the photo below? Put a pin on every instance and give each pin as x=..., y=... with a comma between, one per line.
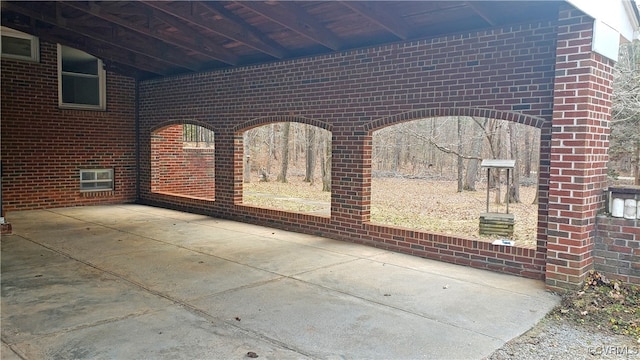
x=146, y=39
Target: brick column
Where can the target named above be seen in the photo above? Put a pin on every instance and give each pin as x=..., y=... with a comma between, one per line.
x=228, y=170
x=579, y=144
x=351, y=178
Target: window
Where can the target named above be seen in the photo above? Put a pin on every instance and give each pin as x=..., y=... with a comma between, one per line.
x=96, y=180
x=81, y=80
x=18, y=45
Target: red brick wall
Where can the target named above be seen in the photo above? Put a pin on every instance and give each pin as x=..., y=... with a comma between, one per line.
x=511, y=73
x=579, y=145
x=505, y=73
x=617, y=248
x=43, y=147
x=178, y=170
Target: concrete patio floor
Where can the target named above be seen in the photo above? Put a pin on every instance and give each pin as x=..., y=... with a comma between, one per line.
x=138, y=282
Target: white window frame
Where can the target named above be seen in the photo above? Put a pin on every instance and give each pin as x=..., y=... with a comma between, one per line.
x=110, y=182
x=35, y=45
x=102, y=84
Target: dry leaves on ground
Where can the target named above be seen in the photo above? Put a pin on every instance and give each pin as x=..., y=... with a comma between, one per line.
x=420, y=204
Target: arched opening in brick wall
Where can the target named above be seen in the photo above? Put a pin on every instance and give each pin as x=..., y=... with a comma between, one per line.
x=426, y=176
x=182, y=161
x=287, y=165
x=537, y=131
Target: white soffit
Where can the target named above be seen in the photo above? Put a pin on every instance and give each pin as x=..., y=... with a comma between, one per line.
x=612, y=19
x=617, y=14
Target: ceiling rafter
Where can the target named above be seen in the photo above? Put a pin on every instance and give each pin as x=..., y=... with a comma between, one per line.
x=214, y=51
x=225, y=27
x=167, y=38
x=62, y=23
x=221, y=11
x=384, y=17
x=296, y=19
x=198, y=39
x=481, y=13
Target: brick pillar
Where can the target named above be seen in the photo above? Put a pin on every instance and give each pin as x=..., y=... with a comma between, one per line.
x=579, y=143
x=351, y=178
x=228, y=170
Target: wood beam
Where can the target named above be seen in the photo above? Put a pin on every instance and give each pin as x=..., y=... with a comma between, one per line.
x=225, y=27
x=61, y=22
x=483, y=14
x=221, y=11
x=190, y=42
x=384, y=17
x=296, y=19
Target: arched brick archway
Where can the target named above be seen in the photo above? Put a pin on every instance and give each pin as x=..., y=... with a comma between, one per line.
x=519, y=118
x=181, y=166
x=534, y=121
x=238, y=148
x=168, y=123
x=264, y=120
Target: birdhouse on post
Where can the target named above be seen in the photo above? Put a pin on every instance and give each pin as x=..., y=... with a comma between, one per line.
x=496, y=223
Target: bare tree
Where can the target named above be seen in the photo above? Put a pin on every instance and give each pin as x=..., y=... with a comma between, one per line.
x=528, y=152
x=247, y=156
x=513, y=194
x=625, y=125
x=282, y=177
x=460, y=164
x=474, y=164
x=325, y=166
x=310, y=151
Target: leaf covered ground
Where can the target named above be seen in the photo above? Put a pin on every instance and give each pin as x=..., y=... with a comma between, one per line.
x=607, y=305
x=433, y=205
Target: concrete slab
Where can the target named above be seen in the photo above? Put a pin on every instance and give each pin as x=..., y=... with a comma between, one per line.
x=107, y=214
x=130, y=281
x=319, y=242
x=483, y=309
x=171, y=333
x=446, y=270
x=326, y=324
x=90, y=243
x=180, y=273
x=7, y=354
x=49, y=297
x=280, y=257
x=19, y=254
x=38, y=220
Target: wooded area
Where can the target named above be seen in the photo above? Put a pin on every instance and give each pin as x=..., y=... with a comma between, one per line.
x=624, y=148
x=444, y=148
x=276, y=151
x=415, y=167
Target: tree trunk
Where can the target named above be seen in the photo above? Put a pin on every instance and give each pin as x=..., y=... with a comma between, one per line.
x=473, y=164
x=513, y=194
x=282, y=177
x=494, y=136
x=397, y=152
x=247, y=157
x=636, y=164
x=528, y=152
x=272, y=147
x=433, y=158
x=325, y=167
x=310, y=153
x=460, y=165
